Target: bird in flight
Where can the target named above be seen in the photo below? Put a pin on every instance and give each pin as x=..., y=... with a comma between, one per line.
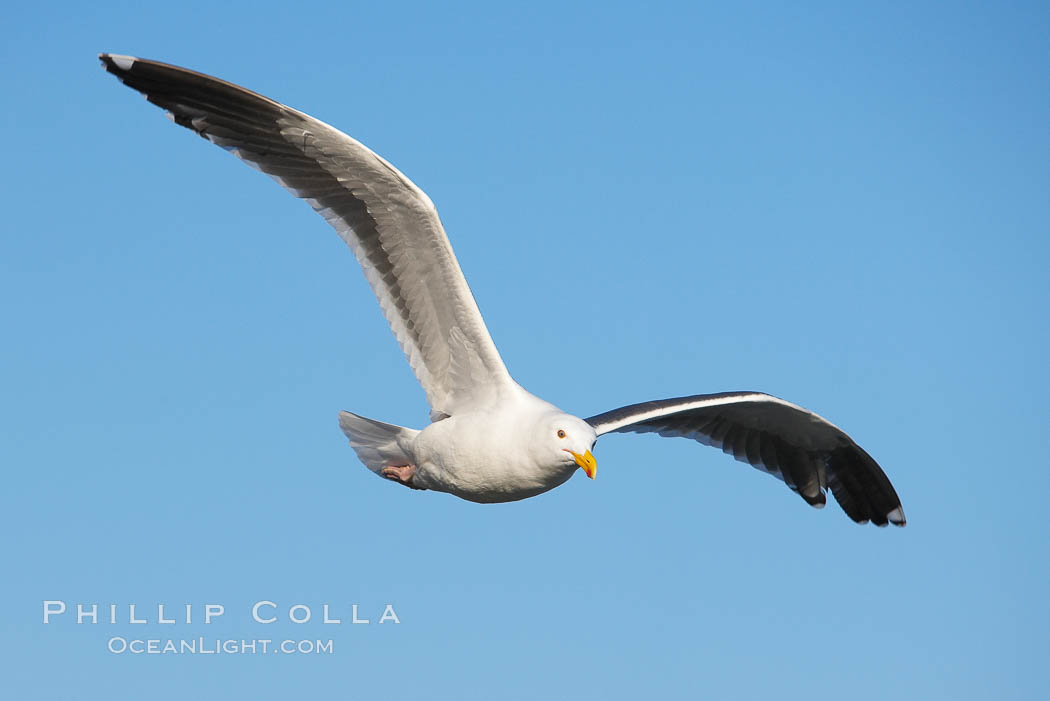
x=489, y=439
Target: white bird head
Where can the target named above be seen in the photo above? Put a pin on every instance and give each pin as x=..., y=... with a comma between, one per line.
x=566, y=439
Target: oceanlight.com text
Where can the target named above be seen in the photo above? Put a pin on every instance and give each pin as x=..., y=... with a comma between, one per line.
x=214, y=646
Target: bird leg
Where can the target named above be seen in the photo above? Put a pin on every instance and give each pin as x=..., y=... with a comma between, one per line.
x=400, y=473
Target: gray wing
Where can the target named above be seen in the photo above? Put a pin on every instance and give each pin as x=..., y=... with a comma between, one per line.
x=391, y=225
x=810, y=454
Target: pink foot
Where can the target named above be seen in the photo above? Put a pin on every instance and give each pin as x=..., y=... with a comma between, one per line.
x=400, y=473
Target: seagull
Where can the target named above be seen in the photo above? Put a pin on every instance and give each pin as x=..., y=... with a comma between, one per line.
x=489, y=439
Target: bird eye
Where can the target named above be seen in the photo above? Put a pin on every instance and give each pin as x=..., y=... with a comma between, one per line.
x=561, y=433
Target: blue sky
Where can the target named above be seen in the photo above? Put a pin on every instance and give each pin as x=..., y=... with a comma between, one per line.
x=843, y=207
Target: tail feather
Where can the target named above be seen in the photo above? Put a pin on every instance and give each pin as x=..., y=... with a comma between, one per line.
x=378, y=444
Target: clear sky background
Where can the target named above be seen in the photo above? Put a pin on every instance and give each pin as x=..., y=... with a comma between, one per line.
x=847, y=208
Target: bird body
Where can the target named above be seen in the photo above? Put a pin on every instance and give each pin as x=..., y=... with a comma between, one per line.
x=498, y=452
x=490, y=440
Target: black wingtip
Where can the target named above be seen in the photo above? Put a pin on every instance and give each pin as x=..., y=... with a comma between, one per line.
x=117, y=64
x=817, y=501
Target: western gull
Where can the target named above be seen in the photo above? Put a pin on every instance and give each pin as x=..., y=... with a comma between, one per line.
x=489, y=439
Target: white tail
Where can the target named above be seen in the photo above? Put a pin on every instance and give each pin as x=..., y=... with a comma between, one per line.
x=377, y=444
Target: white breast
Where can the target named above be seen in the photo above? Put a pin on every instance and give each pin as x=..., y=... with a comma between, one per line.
x=485, y=456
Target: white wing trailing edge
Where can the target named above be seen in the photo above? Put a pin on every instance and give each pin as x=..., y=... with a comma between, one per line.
x=807, y=452
x=391, y=225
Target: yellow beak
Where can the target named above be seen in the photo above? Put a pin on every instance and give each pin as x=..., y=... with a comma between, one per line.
x=587, y=462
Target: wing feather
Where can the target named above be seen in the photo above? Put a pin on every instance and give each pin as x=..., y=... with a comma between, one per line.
x=807, y=452
x=391, y=225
